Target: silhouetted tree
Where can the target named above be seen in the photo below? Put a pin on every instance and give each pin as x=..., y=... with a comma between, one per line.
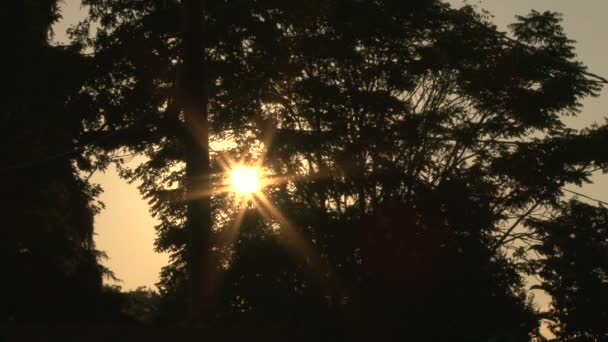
x=573, y=267
x=145, y=69
x=51, y=269
x=442, y=120
x=412, y=139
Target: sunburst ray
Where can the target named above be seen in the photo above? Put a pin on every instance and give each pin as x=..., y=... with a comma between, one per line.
x=295, y=244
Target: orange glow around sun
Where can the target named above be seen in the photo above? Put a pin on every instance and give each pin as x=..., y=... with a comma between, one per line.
x=245, y=180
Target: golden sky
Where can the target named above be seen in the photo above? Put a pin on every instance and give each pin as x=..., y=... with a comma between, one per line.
x=125, y=228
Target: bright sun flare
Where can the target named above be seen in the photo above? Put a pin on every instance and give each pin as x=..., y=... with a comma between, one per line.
x=245, y=180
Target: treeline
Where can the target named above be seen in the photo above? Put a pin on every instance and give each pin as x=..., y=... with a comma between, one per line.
x=418, y=156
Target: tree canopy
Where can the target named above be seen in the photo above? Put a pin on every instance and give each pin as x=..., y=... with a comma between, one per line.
x=412, y=153
x=51, y=265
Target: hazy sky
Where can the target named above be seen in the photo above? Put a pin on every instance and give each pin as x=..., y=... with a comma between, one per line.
x=125, y=228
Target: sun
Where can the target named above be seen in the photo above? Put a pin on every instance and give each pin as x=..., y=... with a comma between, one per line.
x=245, y=180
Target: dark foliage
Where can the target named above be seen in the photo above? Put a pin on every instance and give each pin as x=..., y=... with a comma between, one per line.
x=573, y=267
x=51, y=268
x=410, y=141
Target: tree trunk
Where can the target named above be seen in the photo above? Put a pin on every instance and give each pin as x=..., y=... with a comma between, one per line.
x=194, y=97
